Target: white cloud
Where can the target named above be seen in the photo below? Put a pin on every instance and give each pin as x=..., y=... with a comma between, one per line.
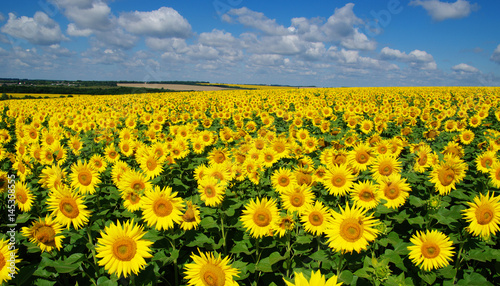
x=87, y=14
x=266, y=60
x=39, y=30
x=341, y=24
x=255, y=20
x=495, y=57
x=117, y=38
x=168, y=44
x=164, y=22
x=217, y=38
x=464, y=68
x=74, y=31
x=358, y=41
x=417, y=59
x=2, y=17
x=440, y=11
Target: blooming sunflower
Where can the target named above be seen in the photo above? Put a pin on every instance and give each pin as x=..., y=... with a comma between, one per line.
x=351, y=229
x=446, y=174
x=317, y=279
x=283, y=180
x=98, y=163
x=191, y=217
x=150, y=164
x=365, y=194
x=394, y=190
x=211, y=191
x=8, y=261
x=121, y=248
x=466, y=137
x=210, y=270
x=422, y=161
x=112, y=154
x=84, y=178
x=67, y=207
x=135, y=181
x=24, y=197
x=485, y=161
x=297, y=199
x=162, y=208
x=260, y=217
x=338, y=180
x=430, y=250
x=285, y=223
x=495, y=175
x=45, y=232
x=385, y=165
x=483, y=215
x=316, y=218
x=360, y=157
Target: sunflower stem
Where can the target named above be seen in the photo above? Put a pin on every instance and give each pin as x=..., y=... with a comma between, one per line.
x=223, y=230
x=340, y=264
x=288, y=254
x=457, y=262
x=92, y=250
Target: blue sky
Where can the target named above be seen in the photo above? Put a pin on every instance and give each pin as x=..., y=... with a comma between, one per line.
x=321, y=43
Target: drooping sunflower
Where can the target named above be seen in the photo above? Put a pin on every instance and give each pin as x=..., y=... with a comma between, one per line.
x=260, y=217
x=191, y=217
x=394, y=190
x=317, y=279
x=68, y=207
x=483, y=215
x=430, y=250
x=45, y=232
x=24, y=197
x=351, y=229
x=210, y=270
x=338, y=180
x=283, y=180
x=122, y=250
x=162, y=208
x=446, y=174
x=84, y=178
x=211, y=191
x=316, y=218
x=7, y=266
x=384, y=166
x=365, y=194
x=297, y=199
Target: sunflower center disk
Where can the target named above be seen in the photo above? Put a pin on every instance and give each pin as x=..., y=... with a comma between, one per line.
x=316, y=218
x=124, y=249
x=46, y=235
x=151, y=164
x=210, y=191
x=262, y=218
x=213, y=275
x=484, y=215
x=85, y=178
x=162, y=207
x=2, y=261
x=338, y=181
x=430, y=250
x=391, y=191
x=21, y=197
x=362, y=157
x=446, y=176
x=69, y=208
x=284, y=181
x=351, y=230
x=366, y=195
x=297, y=200
x=385, y=169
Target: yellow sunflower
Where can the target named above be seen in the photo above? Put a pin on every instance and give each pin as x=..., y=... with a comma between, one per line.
x=430, y=250
x=446, y=174
x=68, y=208
x=191, y=217
x=365, y=194
x=317, y=279
x=150, y=165
x=84, y=178
x=297, y=199
x=8, y=261
x=351, y=230
x=210, y=270
x=495, y=175
x=24, y=197
x=360, y=157
x=111, y=154
x=316, y=218
x=98, y=163
x=260, y=217
x=162, y=208
x=466, y=137
x=422, y=160
x=136, y=181
x=45, y=232
x=211, y=191
x=283, y=180
x=285, y=224
x=384, y=166
x=338, y=180
x=483, y=215
x=394, y=190
x=485, y=161
x=122, y=250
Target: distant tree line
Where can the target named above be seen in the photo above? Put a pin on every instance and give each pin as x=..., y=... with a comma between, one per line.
x=57, y=89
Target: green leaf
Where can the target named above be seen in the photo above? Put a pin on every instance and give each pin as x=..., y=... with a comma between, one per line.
x=346, y=276
x=208, y=222
x=448, y=272
x=266, y=264
x=319, y=255
x=416, y=201
x=201, y=240
x=416, y=220
x=43, y=282
x=428, y=277
x=473, y=279
x=105, y=281
x=22, y=218
x=241, y=247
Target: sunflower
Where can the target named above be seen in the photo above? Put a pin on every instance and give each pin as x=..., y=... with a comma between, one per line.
x=8, y=261
x=45, y=232
x=135, y=181
x=24, y=197
x=121, y=248
x=98, y=163
x=150, y=165
x=75, y=145
x=485, y=161
x=269, y=157
x=211, y=191
x=67, y=207
x=430, y=250
x=132, y=200
x=260, y=217
x=351, y=230
x=317, y=279
x=111, y=153
x=84, y=178
x=218, y=156
x=466, y=137
x=285, y=224
x=338, y=180
x=365, y=194
x=422, y=160
x=446, y=174
x=191, y=217
x=162, y=208
x=210, y=270
x=316, y=218
x=221, y=172
x=283, y=180
x=384, y=166
x=483, y=215
x=360, y=157
x=394, y=190
x=495, y=175
x=297, y=199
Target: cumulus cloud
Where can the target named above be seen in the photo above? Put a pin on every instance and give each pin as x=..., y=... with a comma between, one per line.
x=256, y=20
x=39, y=30
x=217, y=38
x=464, y=68
x=495, y=57
x=74, y=31
x=416, y=58
x=341, y=24
x=87, y=14
x=440, y=11
x=161, y=23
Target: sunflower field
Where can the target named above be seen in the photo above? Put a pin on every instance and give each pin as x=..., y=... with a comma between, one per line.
x=326, y=186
